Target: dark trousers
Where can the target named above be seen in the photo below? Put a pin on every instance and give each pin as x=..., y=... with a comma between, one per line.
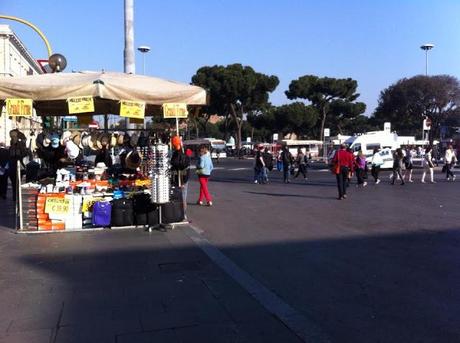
x=360, y=176
x=286, y=172
x=375, y=172
x=342, y=181
x=396, y=173
x=449, y=167
x=302, y=170
x=3, y=185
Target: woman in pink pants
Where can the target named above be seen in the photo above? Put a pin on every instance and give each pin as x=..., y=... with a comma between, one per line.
x=204, y=169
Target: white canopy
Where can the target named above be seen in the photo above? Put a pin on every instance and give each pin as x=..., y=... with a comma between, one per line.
x=50, y=91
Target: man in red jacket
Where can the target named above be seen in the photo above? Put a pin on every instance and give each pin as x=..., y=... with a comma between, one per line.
x=344, y=162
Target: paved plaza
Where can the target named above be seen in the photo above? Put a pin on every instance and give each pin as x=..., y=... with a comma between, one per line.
x=267, y=263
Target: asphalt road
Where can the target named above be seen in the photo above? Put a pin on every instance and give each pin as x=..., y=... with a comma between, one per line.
x=380, y=266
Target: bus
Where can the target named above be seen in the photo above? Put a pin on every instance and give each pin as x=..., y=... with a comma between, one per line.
x=309, y=147
x=217, y=147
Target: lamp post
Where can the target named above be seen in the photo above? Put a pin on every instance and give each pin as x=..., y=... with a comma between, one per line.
x=426, y=47
x=144, y=49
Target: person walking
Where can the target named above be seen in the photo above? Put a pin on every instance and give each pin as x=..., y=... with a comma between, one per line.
x=450, y=159
x=268, y=164
x=342, y=165
x=4, y=166
x=259, y=166
x=428, y=165
x=286, y=158
x=203, y=169
x=408, y=164
x=360, y=164
x=376, y=162
x=301, y=161
x=397, y=166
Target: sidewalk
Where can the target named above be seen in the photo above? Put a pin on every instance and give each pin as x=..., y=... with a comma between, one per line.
x=122, y=286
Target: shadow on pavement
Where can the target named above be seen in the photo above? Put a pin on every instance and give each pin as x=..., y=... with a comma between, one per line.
x=127, y=287
x=287, y=195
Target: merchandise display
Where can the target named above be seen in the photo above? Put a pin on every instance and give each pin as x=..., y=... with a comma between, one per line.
x=73, y=191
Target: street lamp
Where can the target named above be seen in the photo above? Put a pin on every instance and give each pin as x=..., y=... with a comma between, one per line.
x=143, y=49
x=426, y=47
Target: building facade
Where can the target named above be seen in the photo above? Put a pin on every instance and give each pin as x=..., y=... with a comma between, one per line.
x=16, y=60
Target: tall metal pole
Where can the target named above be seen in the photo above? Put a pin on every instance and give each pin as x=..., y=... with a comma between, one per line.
x=129, y=62
x=143, y=64
x=426, y=62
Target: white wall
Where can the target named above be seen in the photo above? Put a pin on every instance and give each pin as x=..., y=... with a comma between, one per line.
x=15, y=60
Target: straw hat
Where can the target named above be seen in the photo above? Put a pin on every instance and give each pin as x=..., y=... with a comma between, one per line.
x=92, y=142
x=113, y=139
x=76, y=137
x=133, y=160
x=66, y=135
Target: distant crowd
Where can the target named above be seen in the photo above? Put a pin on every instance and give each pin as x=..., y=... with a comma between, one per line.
x=344, y=164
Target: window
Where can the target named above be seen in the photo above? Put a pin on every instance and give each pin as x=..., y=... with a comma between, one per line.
x=357, y=147
x=372, y=146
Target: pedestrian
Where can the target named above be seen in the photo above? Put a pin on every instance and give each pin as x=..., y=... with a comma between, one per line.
x=301, y=161
x=360, y=164
x=342, y=165
x=180, y=170
x=450, y=159
x=259, y=166
x=376, y=163
x=268, y=164
x=428, y=165
x=4, y=165
x=203, y=169
x=286, y=158
x=397, y=166
x=408, y=164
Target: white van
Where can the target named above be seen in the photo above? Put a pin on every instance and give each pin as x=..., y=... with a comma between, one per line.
x=385, y=141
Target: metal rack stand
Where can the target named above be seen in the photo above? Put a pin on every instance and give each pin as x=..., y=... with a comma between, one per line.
x=159, y=173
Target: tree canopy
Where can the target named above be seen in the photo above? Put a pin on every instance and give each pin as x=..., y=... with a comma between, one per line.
x=406, y=102
x=330, y=96
x=235, y=90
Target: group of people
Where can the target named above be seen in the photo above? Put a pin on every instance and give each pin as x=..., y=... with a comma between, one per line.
x=285, y=162
x=344, y=164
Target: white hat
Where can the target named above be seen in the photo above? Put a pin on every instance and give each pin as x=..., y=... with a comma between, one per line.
x=100, y=168
x=72, y=150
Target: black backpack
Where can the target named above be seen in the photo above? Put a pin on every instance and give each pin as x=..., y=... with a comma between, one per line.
x=179, y=160
x=268, y=160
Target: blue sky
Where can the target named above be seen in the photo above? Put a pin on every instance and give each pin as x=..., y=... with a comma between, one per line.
x=374, y=42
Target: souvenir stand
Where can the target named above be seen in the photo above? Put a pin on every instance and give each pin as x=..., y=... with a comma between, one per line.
x=74, y=192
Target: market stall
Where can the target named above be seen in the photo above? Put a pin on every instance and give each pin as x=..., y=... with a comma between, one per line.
x=90, y=179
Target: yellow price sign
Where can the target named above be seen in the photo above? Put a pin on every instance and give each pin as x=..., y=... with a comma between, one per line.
x=57, y=205
x=132, y=109
x=80, y=104
x=175, y=110
x=19, y=107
